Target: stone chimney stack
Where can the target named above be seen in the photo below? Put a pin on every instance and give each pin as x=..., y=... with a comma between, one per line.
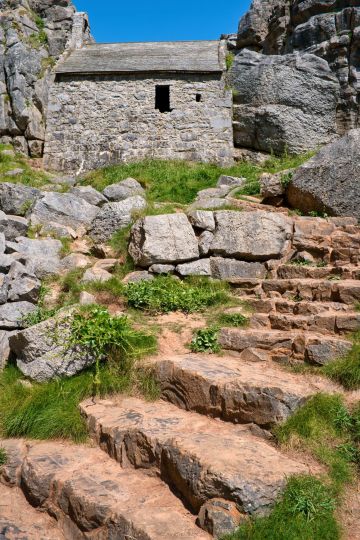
x=80, y=31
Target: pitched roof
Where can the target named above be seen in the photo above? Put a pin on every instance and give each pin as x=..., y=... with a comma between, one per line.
x=174, y=56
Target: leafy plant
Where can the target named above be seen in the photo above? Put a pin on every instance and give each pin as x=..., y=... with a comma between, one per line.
x=286, y=178
x=3, y=456
x=166, y=293
x=205, y=340
x=92, y=327
x=233, y=319
x=301, y=262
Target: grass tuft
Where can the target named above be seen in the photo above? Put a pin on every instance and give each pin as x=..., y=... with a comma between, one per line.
x=346, y=370
x=3, y=456
x=304, y=512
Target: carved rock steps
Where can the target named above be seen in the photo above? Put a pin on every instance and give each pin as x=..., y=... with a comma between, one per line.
x=233, y=388
x=92, y=497
x=201, y=458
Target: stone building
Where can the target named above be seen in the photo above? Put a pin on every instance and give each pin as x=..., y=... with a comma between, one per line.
x=120, y=102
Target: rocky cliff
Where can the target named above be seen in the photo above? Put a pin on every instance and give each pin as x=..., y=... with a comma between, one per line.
x=328, y=29
x=33, y=35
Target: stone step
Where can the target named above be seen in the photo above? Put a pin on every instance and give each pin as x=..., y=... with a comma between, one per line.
x=343, y=291
x=328, y=322
x=234, y=389
x=285, y=346
x=199, y=457
x=293, y=271
x=92, y=497
x=285, y=306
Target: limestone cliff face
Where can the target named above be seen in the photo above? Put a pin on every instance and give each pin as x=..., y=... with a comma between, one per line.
x=33, y=35
x=329, y=29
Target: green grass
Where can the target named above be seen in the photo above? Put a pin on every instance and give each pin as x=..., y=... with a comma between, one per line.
x=304, y=512
x=3, y=456
x=50, y=410
x=324, y=426
x=329, y=431
x=30, y=176
x=179, y=181
x=165, y=294
x=233, y=319
x=346, y=370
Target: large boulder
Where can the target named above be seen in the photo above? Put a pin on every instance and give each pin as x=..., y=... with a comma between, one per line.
x=283, y=103
x=16, y=198
x=114, y=217
x=251, y=236
x=41, y=257
x=64, y=208
x=330, y=181
x=163, y=239
x=43, y=351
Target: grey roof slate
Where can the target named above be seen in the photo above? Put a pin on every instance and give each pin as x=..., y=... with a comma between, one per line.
x=180, y=56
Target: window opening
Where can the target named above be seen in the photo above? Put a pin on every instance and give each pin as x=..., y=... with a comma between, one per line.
x=162, y=98
x=198, y=98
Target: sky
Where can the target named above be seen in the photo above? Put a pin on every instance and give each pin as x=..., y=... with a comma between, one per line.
x=161, y=20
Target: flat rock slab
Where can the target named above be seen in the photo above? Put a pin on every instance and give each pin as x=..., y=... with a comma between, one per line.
x=92, y=495
x=251, y=236
x=201, y=457
x=232, y=389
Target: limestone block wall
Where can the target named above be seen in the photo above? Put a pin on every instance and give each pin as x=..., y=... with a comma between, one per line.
x=95, y=120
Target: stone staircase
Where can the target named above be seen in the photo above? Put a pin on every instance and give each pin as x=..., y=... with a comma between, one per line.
x=158, y=465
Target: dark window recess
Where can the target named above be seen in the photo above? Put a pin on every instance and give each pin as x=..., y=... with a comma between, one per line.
x=198, y=98
x=162, y=98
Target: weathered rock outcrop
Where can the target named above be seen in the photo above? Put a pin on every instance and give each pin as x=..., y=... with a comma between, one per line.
x=44, y=351
x=283, y=103
x=33, y=35
x=330, y=181
x=329, y=30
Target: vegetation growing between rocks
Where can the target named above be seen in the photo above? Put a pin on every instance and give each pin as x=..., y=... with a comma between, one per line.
x=165, y=294
x=331, y=433
x=180, y=181
x=205, y=340
x=29, y=176
x=305, y=511
x=50, y=410
x=346, y=370
x=3, y=456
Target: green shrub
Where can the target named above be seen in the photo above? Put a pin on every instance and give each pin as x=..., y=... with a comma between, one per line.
x=304, y=512
x=166, y=293
x=92, y=327
x=233, y=319
x=205, y=340
x=346, y=370
x=3, y=456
